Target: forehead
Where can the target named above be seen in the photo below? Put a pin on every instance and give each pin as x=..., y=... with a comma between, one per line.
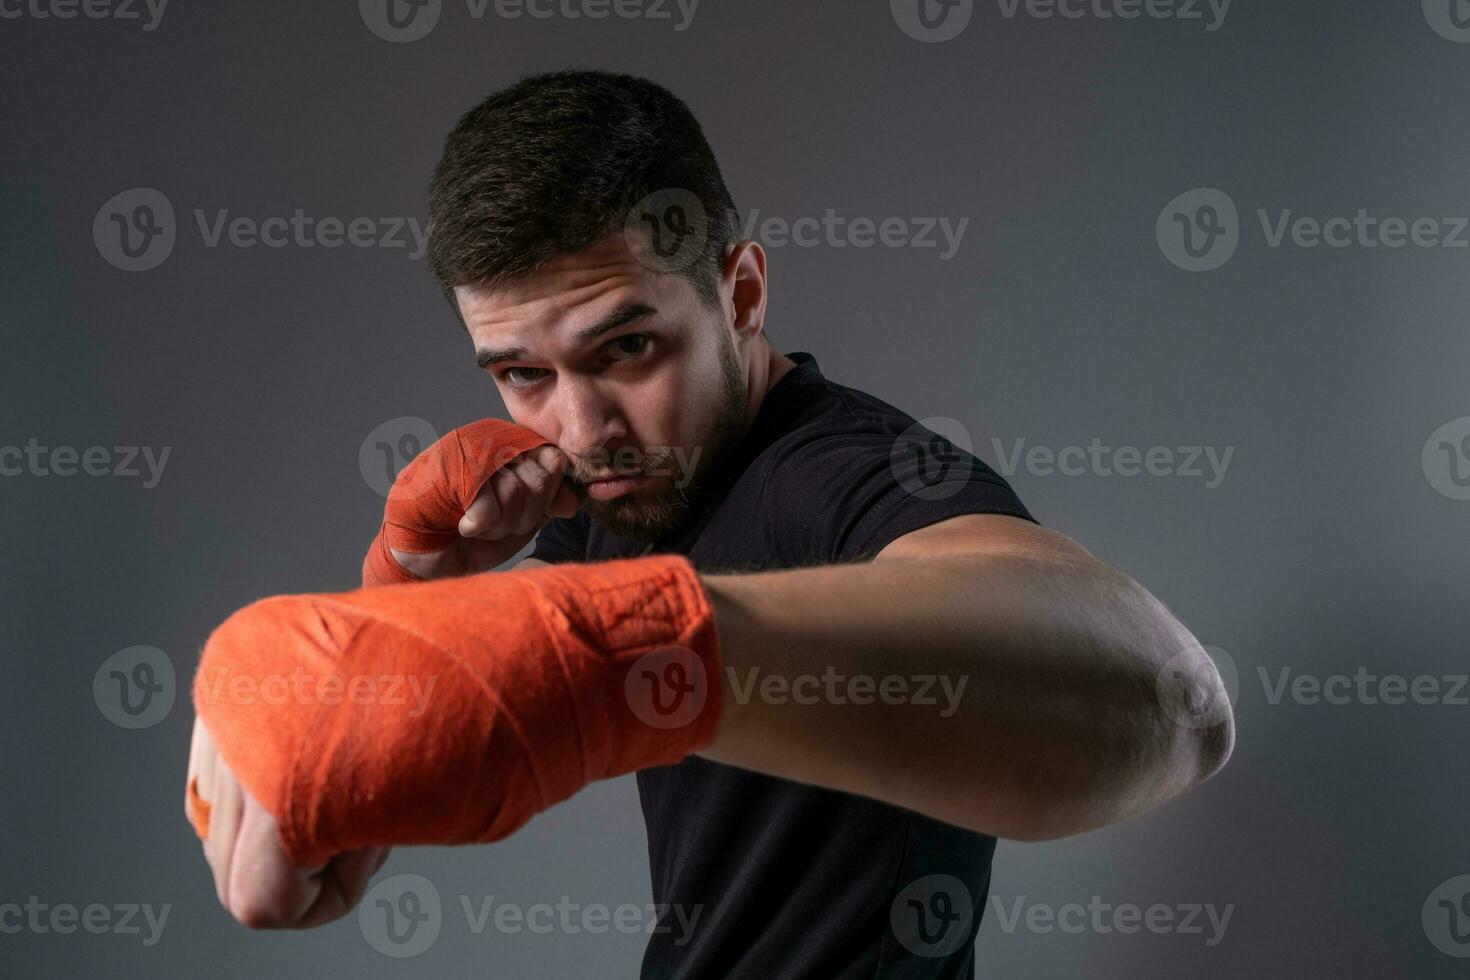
x=566, y=293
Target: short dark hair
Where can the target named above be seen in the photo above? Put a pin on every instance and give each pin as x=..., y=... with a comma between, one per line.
x=554, y=164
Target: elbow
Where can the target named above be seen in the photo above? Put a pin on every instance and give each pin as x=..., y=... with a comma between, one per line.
x=1195, y=719
x=1161, y=760
x=1211, y=747
x=1195, y=758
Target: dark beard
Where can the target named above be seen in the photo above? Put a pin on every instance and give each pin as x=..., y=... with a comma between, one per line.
x=649, y=518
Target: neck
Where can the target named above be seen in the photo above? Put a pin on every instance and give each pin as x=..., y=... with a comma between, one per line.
x=767, y=367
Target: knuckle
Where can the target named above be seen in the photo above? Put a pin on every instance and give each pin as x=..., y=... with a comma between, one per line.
x=536, y=480
x=254, y=914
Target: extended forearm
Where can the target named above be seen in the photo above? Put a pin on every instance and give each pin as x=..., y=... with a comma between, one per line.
x=1042, y=719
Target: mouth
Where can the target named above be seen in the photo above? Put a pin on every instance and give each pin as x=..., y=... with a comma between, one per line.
x=613, y=487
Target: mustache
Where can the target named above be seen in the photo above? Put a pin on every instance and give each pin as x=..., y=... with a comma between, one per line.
x=590, y=469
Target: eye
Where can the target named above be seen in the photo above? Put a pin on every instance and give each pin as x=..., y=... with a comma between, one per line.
x=508, y=376
x=639, y=341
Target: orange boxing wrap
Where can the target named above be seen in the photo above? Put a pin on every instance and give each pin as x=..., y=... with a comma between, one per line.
x=480, y=700
x=433, y=492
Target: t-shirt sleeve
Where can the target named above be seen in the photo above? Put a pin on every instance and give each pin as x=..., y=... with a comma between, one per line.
x=842, y=490
x=564, y=539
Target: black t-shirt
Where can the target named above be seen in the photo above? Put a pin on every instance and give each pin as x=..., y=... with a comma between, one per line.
x=791, y=880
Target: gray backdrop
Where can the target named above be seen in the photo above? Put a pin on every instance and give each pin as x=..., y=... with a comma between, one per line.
x=1073, y=308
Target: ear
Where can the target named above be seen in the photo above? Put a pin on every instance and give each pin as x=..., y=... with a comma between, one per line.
x=744, y=286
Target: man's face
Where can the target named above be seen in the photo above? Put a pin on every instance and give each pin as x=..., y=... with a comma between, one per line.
x=626, y=371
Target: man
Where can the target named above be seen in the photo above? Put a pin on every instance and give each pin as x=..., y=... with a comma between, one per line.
x=833, y=819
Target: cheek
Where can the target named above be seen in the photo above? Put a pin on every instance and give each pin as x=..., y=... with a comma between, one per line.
x=667, y=411
x=542, y=421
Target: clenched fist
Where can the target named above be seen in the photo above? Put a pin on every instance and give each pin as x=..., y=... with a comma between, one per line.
x=468, y=503
x=255, y=881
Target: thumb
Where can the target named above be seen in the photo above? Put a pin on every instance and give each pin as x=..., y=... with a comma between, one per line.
x=565, y=503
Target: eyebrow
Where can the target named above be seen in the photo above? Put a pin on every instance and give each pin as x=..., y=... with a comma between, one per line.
x=625, y=314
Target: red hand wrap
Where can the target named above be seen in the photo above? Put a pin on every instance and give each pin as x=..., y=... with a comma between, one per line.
x=514, y=689
x=433, y=492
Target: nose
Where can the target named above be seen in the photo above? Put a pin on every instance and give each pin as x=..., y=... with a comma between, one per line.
x=589, y=420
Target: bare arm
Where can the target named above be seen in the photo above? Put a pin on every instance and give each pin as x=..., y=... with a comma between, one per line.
x=1051, y=661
